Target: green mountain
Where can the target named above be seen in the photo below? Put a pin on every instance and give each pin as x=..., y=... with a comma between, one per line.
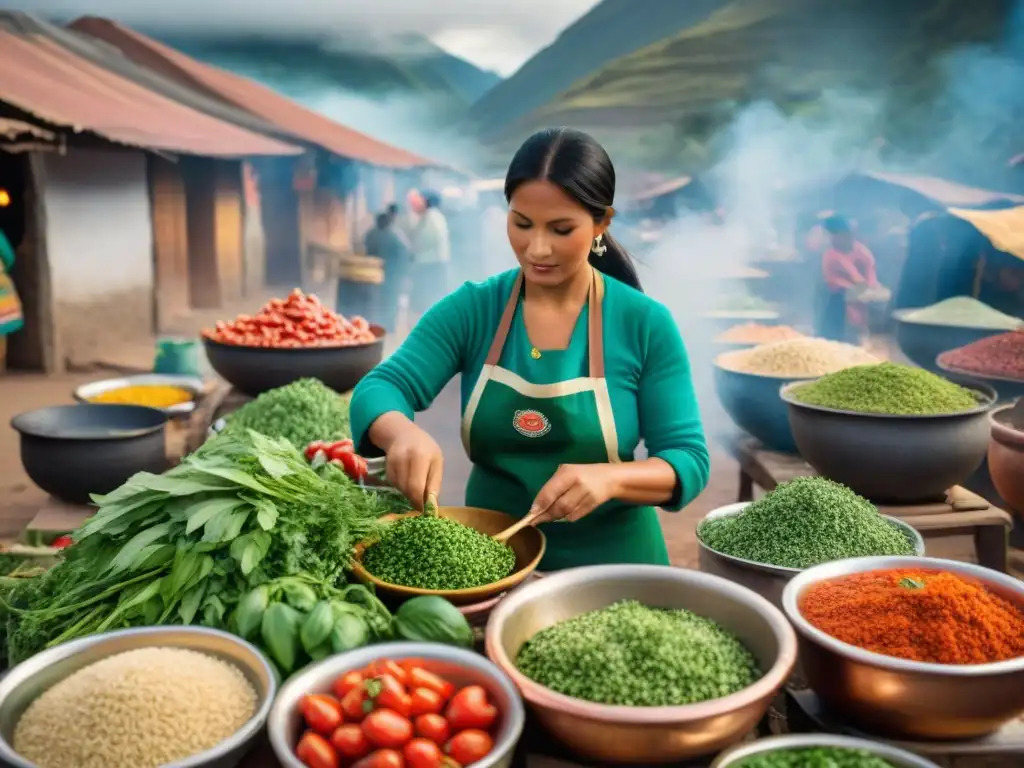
x=611, y=29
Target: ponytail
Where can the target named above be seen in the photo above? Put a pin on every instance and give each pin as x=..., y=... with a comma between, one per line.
x=616, y=262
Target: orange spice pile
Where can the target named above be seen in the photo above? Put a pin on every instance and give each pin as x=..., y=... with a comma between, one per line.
x=922, y=615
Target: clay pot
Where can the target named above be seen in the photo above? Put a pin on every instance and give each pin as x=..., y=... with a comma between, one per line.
x=1006, y=456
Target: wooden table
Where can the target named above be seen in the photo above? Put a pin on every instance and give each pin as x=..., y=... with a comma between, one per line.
x=961, y=513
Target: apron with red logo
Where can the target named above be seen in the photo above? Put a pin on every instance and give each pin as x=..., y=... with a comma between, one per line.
x=517, y=433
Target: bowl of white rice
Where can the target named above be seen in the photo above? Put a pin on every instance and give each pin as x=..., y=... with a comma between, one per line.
x=175, y=696
x=748, y=381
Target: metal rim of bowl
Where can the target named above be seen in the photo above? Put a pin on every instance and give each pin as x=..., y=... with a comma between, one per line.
x=772, y=679
x=731, y=510
x=360, y=570
x=399, y=650
x=1006, y=432
x=841, y=568
x=980, y=377
x=334, y=348
x=192, y=384
x=122, y=435
x=734, y=755
x=900, y=315
x=987, y=399
x=249, y=730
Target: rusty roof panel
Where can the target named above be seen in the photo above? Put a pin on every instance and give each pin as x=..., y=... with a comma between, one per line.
x=280, y=111
x=40, y=77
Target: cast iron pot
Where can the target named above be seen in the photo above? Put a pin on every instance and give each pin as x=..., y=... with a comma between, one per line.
x=897, y=459
x=72, y=451
x=254, y=370
x=922, y=343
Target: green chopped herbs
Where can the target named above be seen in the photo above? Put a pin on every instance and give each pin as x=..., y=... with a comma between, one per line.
x=301, y=412
x=815, y=757
x=632, y=655
x=963, y=312
x=909, y=583
x=802, y=523
x=887, y=388
x=430, y=552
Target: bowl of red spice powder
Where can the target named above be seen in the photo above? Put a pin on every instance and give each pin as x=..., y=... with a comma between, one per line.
x=912, y=648
x=997, y=360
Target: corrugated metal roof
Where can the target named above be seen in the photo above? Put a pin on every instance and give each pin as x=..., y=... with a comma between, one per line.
x=291, y=118
x=947, y=193
x=44, y=79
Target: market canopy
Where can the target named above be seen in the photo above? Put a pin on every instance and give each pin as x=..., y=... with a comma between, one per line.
x=1003, y=228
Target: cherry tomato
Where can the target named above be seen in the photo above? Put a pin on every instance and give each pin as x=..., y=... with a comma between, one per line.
x=335, y=450
x=352, y=465
x=61, y=542
x=433, y=727
x=356, y=704
x=422, y=753
x=469, y=708
x=387, y=693
x=382, y=758
x=347, y=682
x=386, y=728
x=424, y=701
x=388, y=667
x=316, y=752
x=469, y=746
x=350, y=742
x=313, y=448
x=421, y=678
x=321, y=712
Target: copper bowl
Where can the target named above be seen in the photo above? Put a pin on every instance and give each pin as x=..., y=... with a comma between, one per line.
x=528, y=544
x=899, y=758
x=769, y=581
x=1006, y=456
x=644, y=735
x=899, y=698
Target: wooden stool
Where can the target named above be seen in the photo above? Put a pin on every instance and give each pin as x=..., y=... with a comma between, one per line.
x=961, y=513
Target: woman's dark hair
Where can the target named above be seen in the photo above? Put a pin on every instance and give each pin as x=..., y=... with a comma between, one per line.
x=578, y=164
x=837, y=225
x=431, y=199
x=384, y=220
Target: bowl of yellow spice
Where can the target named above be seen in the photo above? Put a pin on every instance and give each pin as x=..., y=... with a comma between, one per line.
x=175, y=395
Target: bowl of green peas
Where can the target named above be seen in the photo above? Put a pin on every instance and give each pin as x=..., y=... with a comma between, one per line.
x=801, y=750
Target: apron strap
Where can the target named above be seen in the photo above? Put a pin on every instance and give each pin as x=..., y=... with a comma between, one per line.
x=494, y=354
x=595, y=326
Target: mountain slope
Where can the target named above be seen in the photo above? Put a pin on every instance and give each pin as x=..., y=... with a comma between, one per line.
x=611, y=29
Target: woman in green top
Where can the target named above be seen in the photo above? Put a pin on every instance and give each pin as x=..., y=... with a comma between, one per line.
x=566, y=366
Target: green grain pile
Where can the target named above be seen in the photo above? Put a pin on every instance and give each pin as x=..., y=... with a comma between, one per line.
x=301, y=412
x=964, y=312
x=802, y=523
x=887, y=388
x=631, y=655
x=430, y=552
x=815, y=757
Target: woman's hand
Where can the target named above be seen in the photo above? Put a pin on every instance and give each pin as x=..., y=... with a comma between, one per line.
x=573, y=492
x=415, y=464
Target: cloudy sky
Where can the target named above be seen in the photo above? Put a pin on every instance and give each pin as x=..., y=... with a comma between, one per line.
x=493, y=35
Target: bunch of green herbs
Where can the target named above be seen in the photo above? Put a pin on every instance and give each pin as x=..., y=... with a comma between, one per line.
x=300, y=413
x=432, y=552
x=887, y=388
x=242, y=515
x=805, y=522
x=630, y=654
x=815, y=757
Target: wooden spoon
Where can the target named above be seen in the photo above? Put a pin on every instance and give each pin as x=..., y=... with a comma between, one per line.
x=515, y=528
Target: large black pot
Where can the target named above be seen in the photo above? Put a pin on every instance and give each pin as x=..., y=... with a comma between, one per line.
x=922, y=343
x=753, y=402
x=72, y=451
x=895, y=459
x=254, y=370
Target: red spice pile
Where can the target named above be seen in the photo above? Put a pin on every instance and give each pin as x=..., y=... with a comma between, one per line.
x=999, y=355
x=931, y=616
x=298, y=321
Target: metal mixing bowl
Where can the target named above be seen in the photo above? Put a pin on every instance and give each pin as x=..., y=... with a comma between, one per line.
x=900, y=698
x=644, y=735
x=457, y=665
x=27, y=681
x=192, y=384
x=768, y=580
x=897, y=757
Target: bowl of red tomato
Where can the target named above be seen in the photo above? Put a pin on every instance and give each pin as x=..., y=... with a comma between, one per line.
x=398, y=705
x=291, y=339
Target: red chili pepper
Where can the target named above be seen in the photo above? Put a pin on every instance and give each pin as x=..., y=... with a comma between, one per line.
x=61, y=542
